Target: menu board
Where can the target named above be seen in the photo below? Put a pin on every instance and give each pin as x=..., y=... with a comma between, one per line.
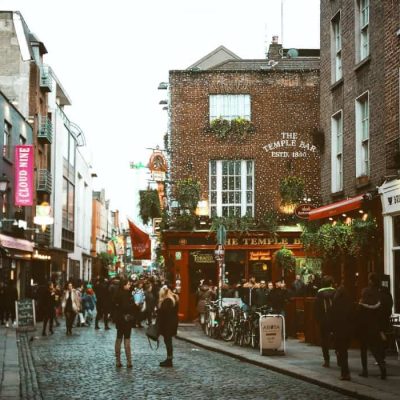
x=25, y=313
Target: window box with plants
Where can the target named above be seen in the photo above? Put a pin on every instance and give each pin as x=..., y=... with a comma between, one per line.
x=238, y=128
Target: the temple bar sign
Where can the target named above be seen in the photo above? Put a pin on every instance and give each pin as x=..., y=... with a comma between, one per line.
x=289, y=145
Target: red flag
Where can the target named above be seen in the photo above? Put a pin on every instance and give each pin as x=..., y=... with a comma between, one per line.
x=141, y=244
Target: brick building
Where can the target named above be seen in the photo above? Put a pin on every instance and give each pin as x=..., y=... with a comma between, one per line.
x=277, y=101
x=359, y=117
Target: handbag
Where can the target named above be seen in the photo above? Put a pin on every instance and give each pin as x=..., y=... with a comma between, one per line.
x=153, y=333
x=128, y=317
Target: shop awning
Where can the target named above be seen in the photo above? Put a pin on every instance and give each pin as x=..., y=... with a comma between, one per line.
x=11, y=242
x=337, y=208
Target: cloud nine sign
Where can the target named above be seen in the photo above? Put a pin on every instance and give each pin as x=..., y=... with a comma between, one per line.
x=288, y=145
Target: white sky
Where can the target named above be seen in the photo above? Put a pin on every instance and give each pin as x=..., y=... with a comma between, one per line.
x=110, y=57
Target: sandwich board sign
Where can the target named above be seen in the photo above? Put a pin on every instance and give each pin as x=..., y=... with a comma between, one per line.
x=272, y=335
x=25, y=314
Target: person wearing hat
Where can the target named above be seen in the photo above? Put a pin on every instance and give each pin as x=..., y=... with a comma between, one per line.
x=368, y=326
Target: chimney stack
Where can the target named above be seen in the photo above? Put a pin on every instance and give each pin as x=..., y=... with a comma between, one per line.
x=275, y=49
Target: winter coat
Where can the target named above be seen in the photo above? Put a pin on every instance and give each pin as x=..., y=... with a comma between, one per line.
x=76, y=303
x=10, y=297
x=342, y=316
x=47, y=301
x=167, y=318
x=278, y=298
x=323, y=306
x=204, y=295
x=368, y=315
x=123, y=305
x=103, y=296
x=88, y=302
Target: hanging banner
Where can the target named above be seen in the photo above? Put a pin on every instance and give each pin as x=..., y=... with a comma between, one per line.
x=141, y=244
x=23, y=175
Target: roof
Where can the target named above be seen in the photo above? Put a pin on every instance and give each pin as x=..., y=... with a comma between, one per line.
x=217, y=56
x=284, y=64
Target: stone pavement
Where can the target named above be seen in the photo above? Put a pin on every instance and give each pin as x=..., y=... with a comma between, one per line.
x=9, y=365
x=304, y=361
x=81, y=366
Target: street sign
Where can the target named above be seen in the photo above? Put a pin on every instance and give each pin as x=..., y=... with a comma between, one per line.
x=302, y=210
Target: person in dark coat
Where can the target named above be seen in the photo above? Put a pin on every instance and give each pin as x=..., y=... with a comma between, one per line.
x=123, y=314
x=342, y=323
x=298, y=287
x=150, y=302
x=167, y=321
x=2, y=303
x=369, y=326
x=10, y=297
x=278, y=299
x=47, y=307
x=102, y=304
x=322, y=310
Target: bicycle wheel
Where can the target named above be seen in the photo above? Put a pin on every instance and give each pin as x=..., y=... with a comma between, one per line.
x=247, y=333
x=255, y=336
x=227, y=331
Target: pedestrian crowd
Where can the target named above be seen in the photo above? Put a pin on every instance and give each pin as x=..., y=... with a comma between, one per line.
x=340, y=320
x=126, y=302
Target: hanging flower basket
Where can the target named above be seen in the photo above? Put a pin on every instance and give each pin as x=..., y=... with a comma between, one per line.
x=285, y=259
x=291, y=190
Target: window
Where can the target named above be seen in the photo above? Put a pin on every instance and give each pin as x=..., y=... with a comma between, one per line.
x=7, y=140
x=337, y=152
x=231, y=188
x=68, y=205
x=22, y=139
x=336, y=48
x=362, y=29
x=229, y=106
x=362, y=135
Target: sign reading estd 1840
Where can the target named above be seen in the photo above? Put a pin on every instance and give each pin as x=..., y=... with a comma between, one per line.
x=303, y=210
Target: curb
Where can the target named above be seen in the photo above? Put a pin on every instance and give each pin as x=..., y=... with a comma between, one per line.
x=327, y=385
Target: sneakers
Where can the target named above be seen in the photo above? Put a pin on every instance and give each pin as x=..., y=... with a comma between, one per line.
x=7, y=325
x=345, y=377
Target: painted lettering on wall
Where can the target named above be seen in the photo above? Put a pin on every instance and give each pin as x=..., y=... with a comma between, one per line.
x=289, y=146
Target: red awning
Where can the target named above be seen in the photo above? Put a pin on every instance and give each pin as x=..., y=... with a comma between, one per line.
x=337, y=208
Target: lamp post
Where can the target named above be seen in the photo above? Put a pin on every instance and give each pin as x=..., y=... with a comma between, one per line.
x=220, y=258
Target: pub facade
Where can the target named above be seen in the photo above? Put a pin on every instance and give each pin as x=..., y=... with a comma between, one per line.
x=242, y=129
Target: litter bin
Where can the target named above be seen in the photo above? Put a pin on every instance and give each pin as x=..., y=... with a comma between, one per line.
x=272, y=335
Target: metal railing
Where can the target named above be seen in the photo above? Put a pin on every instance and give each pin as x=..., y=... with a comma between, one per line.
x=43, y=181
x=46, y=81
x=45, y=133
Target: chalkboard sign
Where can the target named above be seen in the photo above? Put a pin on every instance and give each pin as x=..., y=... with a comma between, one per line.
x=25, y=313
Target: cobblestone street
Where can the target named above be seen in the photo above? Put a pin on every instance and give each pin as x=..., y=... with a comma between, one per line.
x=81, y=366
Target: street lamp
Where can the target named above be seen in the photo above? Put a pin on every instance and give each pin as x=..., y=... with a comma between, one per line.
x=4, y=184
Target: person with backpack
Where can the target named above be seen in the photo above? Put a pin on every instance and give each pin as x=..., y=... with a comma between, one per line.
x=322, y=311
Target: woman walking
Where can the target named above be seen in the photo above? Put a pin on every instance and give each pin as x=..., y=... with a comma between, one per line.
x=369, y=327
x=124, y=311
x=167, y=321
x=71, y=306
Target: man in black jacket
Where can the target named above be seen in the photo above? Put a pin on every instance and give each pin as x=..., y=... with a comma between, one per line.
x=322, y=311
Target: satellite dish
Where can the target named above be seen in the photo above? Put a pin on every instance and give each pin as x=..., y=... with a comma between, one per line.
x=293, y=53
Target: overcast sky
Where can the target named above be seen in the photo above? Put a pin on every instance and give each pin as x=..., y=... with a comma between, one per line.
x=110, y=57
